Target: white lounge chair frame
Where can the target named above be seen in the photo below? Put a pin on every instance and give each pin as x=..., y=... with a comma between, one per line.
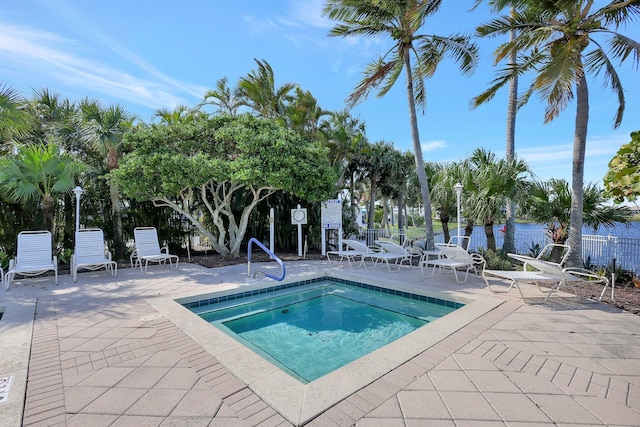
x=454, y=257
x=391, y=252
x=33, y=258
x=148, y=249
x=545, y=271
x=352, y=251
x=90, y=253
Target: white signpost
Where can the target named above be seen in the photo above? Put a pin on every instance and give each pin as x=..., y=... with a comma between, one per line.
x=299, y=217
x=331, y=218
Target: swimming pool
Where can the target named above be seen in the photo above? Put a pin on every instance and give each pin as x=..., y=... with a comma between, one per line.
x=297, y=401
x=309, y=330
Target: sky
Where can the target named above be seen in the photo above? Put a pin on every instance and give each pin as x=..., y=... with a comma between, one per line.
x=146, y=55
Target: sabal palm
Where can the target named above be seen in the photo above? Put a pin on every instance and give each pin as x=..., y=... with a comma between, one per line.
x=38, y=173
x=561, y=46
x=258, y=91
x=401, y=21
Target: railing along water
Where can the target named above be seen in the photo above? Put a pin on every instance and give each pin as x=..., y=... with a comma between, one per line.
x=268, y=252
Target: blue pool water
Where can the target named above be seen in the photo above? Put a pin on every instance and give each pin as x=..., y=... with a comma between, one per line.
x=312, y=330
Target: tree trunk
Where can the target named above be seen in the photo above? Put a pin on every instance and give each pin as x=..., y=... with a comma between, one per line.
x=577, y=177
x=468, y=230
x=417, y=149
x=510, y=213
x=401, y=217
x=491, y=238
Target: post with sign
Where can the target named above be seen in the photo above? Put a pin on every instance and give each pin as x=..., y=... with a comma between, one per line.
x=299, y=217
x=331, y=217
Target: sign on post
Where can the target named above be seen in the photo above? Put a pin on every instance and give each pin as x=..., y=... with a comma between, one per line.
x=331, y=214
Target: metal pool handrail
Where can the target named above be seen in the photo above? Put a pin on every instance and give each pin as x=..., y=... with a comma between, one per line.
x=271, y=254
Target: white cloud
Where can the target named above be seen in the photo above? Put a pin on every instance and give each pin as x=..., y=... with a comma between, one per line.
x=53, y=57
x=433, y=145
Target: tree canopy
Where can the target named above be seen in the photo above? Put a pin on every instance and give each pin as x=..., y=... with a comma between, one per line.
x=623, y=179
x=199, y=168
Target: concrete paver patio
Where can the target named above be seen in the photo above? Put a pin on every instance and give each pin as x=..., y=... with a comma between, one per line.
x=98, y=353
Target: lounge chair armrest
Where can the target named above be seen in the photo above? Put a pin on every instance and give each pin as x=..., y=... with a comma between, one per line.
x=12, y=263
x=164, y=249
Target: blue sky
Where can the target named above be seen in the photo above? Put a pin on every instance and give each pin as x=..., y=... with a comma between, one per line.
x=146, y=55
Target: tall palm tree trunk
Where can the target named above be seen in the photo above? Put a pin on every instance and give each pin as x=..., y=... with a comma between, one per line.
x=417, y=149
x=510, y=209
x=577, y=177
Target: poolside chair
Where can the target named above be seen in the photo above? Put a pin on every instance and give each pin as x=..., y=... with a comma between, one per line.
x=90, y=253
x=148, y=249
x=453, y=257
x=391, y=252
x=33, y=257
x=543, y=271
x=349, y=253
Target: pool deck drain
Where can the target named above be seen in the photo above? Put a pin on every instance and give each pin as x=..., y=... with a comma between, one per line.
x=94, y=361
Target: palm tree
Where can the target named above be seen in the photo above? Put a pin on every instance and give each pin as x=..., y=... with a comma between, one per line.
x=107, y=128
x=180, y=114
x=562, y=47
x=345, y=136
x=226, y=99
x=443, y=177
x=401, y=20
x=395, y=186
x=38, y=173
x=496, y=182
x=13, y=119
x=550, y=203
x=258, y=92
x=375, y=163
x=303, y=113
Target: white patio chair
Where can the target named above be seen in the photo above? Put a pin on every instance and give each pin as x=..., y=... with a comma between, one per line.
x=454, y=257
x=148, y=249
x=33, y=257
x=90, y=253
x=391, y=252
x=349, y=253
x=544, y=271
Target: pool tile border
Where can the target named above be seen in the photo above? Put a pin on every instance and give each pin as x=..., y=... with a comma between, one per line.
x=246, y=294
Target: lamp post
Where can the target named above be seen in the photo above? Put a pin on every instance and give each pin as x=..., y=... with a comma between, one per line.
x=78, y=192
x=458, y=188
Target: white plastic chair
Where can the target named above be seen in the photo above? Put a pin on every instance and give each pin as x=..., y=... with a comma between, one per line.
x=90, y=253
x=33, y=257
x=148, y=249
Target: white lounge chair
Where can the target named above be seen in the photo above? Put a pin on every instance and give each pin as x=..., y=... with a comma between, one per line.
x=90, y=253
x=349, y=253
x=148, y=249
x=453, y=257
x=391, y=252
x=544, y=271
x=33, y=257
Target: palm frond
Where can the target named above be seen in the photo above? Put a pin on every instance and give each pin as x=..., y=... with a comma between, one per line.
x=374, y=74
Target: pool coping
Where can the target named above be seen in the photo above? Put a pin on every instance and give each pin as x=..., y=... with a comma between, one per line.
x=297, y=402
